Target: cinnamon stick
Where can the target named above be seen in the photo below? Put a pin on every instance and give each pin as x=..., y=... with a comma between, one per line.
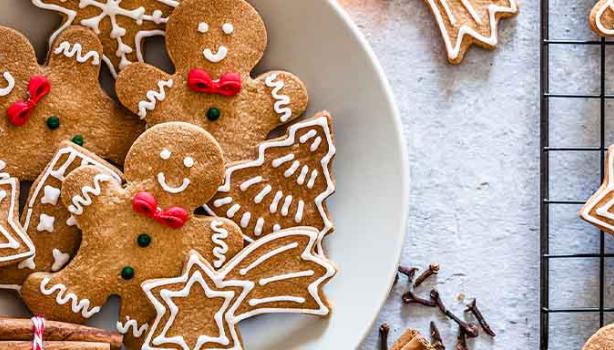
x=54, y=345
x=21, y=329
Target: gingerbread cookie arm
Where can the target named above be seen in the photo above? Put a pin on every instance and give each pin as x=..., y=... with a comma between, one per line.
x=141, y=87
x=226, y=240
x=289, y=97
x=78, y=50
x=81, y=190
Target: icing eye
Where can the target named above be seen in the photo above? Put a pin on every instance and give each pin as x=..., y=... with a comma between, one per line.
x=165, y=154
x=188, y=162
x=203, y=27
x=228, y=28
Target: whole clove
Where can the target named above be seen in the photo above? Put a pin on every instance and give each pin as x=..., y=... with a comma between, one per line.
x=470, y=329
x=436, y=340
x=432, y=270
x=384, y=330
x=410, y=272
x=461, y=341
x=473, y=308
x=410, y=298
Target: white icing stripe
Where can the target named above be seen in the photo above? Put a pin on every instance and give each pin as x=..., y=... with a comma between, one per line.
x=260, y=196
x=59, y=260
x=15, y=236
x=292, y=169
x=276, y=228
x=253, y=181
x=599, y=18
x=287, y=276
x=216, y=57
x=222, y=202
x=78, y=306
x=449, y=13
x=308, y=136
x=259, y=226
x=27, y=264
x=153, y=96
x=76, y=51
x=278, y=196
x=262, y=259
x=280, y=299
x=170, y=189
x=299, y=212
x=85, y=199
x=52, y=195
x=10, y=84
x=219, y=240
x=282, y=102
x=316, y=144
x=303, y=176
x=247, y=216
x=472, y=12
x=233, y=210
x=137, y=331
x=46, y=223
x=280, y=161
x=312, y=179
x=286, y=207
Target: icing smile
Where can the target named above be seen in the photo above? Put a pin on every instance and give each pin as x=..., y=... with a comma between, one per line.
x=171, y=189
x=217, y=57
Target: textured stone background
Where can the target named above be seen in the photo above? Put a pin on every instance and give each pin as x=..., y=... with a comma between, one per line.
x=473, y=135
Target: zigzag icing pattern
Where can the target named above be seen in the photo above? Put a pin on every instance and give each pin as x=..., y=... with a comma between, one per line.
x=85, y=199
x=78, y=306
x=76, y=51
x=153, y=97
x=137, y=331
x=282, y=102
x=218, y=238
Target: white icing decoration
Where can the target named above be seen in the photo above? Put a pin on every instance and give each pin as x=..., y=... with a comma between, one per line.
x=249, y=183
x=269, y=255
x=19, y=237
x=170, y=189
x=292, y=169
x=222, y=202
x=85, y=199
x=490, y=40
x=78, y=306
x=229, y=315
x=76, y=51
x=301, y=178
x=247, y=216
x=278, y=196
x=217, y=57
x=228, y=28
x=599, y=17
x=71, y=221
x=259, y=226
x=10, y=84
x=219, y=240
x=27, y=264
x=282, y=102
x=276, y=228
x=203, y=27
x=299, y=212
x=286, y=207
x=312, y=179
x=137, y=331
x=59, y=260
x=233, y=210
x=308, y=136
x=46, y=223
x=52, y=195
x=316, y=144
x=165, y=154
x=597, y=198
x=188, y=162
x=260, y=196
x=153, y=96
x=280, y=161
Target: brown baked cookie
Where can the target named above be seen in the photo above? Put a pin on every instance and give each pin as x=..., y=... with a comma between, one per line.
x=42, y=106
x=15, y=245
x=201, y=308
x=140, y=231
x=122, y=25
x=602, y=18
x=412, y=340
x=599, y=209
x=46, y=220
x=602, y=340
x=215, y=44
x=286, y=185
x=467, y=22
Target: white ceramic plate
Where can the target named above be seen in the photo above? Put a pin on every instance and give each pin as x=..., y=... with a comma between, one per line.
x=316, y=40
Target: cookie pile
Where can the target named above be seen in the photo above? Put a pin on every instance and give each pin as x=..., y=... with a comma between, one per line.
x=173, y=198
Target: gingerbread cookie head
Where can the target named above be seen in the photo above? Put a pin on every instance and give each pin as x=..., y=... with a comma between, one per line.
x=222, y=36
x=42, y=106
x=165, y=161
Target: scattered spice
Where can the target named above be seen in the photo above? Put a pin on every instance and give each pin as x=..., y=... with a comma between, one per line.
x=461, y=341
x=473, y=308
x=436, y=340
x=470, y=329
x=410, y=298
x=384, y=330
x=432, y=270
x=410, y=272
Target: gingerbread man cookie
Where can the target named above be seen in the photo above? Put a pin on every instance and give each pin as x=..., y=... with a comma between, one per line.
x=285, y=186
x=42, y=106
x=599, y=209
x=467, y=22
x=201, y=308
x=215, y=44
x=139, y=231
x=47, y=222
x=602, y=18
x=15, y=245
x=122, y=25
x=602, y=340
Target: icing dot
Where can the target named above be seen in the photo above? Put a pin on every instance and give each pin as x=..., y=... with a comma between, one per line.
x=188, y=162
x=127, y=273
x=165, y=154
x=144, y=240
x=78, y=140
x=214, y=114
x=203, y=27
x=53, y=122
x=228, y=28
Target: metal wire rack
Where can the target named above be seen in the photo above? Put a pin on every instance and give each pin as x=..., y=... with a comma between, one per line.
x=547, y=203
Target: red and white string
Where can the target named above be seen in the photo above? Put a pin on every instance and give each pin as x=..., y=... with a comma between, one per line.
x=38, y=330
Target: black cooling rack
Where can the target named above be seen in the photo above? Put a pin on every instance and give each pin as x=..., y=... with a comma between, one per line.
x=546, y=203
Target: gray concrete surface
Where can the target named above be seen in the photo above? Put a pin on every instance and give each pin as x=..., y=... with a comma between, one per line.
x=473, y=135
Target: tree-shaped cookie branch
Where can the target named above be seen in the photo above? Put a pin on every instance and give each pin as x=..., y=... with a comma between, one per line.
x=215, y=44
x=47, y=222
x=139, y=231
x=286, y=185
x=41, y=106
x=121, y=25
x=467, y=22
x=599, y=209
x=201, y=308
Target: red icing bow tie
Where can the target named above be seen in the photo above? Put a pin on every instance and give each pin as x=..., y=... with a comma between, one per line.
x=20, y=112
x=145, y=203
x=228, y=85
